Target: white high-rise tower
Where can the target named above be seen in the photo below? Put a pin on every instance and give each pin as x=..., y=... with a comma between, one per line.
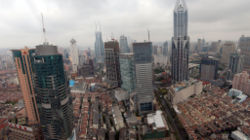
x=74, y=54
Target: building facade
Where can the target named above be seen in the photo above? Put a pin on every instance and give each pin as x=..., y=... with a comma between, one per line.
x=236, y=63
x=52, y=93
x=128, y=77
x=74, y=55
x=244, y=45
x=227, y=49
x=165, y=48
x=144, y=76
x=208, y=69
x=180, y=43
x=124, y=44
x=19, y=132
x=23, y=60
x=112, y=63
x=99, y=47
x=241, y=81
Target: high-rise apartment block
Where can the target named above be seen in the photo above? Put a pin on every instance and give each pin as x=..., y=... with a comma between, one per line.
x=165, y=48
x=180, y=43
x=244, y=45
x=144, y=76
x=112, y=63
x=241, y=81
x=208, y=69
x=53, y=98
x=227, y=49
x=124, y=44
x=99, y=47
x=74, y=55
x=128, y=76
x=236, y=63
x=23, y=60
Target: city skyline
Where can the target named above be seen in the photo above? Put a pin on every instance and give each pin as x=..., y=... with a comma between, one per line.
x=21, y=21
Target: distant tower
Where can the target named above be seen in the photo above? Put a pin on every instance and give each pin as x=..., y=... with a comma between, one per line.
x=74, y=54
x=124, y=44
x=112, y=63
x=244, y=45
x=144, y=76
x=99, y=47
x=236, y=63
x=23, y=59
x=165, y=48
x=180, y=43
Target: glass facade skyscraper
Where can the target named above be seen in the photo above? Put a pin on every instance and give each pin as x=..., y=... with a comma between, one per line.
x=99, y=47
x=144, y=76
x=127, y=67
x=180, y=43
x=52, y=93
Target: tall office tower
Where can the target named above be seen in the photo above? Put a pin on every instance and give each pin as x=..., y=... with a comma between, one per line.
x=201, y=43
x=165, y=48
x=228, y=48
x=241, y=81
x=112, y=63
x=144, y=76
x=208, y=69
x=127, y=67
x=74, y=54
x=99, y=47
x=53, y=98
x=23, y=60
x=236, y=63
x=155, y=48
x=244, y=45
x=124, y=44
x=180, y=43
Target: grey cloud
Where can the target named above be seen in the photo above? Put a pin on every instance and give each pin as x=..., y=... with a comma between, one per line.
x=20, y=22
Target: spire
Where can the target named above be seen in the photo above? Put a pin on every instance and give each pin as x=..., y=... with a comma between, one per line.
x=180, y=5
x=44, y=31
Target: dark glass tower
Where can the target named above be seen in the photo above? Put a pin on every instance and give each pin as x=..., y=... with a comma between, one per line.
x=52, y=93
x=180, y=43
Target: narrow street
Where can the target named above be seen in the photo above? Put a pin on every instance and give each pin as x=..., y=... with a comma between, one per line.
x=178, y=131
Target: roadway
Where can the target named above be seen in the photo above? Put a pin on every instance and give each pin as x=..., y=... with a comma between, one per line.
x=179, y=132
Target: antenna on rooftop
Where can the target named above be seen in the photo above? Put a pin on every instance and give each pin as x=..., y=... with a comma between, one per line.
x=44, y=31
x=148, y=35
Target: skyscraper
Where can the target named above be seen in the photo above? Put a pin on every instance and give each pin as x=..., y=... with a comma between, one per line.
x=99, y=47
x=144, y=76
x=52, y=93
x=112, y=63
x=236, y=63
x=127, y=67
x=244, y=45
x=228, y=48
x=208, y=69
x=23, y=59
x=74, y=54
x=180, y=43
x=165, y=48
x=124, y=44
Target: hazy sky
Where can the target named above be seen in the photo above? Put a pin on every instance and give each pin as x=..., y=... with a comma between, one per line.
x=20, y=20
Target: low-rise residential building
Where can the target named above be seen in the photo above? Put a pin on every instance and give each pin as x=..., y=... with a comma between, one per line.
x=182, y=91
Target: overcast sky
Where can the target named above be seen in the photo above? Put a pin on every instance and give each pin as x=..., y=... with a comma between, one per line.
x=20, y=20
